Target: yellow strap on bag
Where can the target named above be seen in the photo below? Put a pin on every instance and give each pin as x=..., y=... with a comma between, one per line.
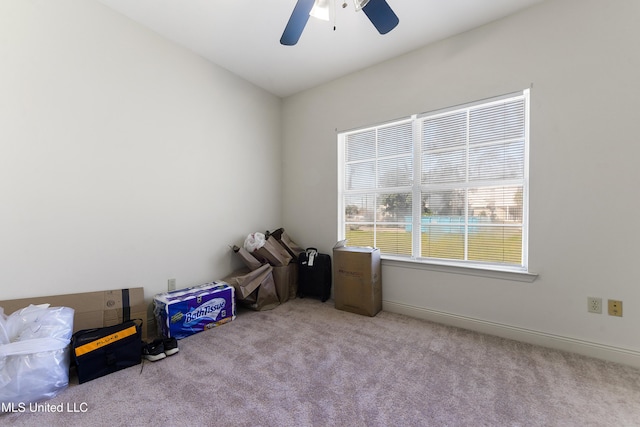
x=101, y=342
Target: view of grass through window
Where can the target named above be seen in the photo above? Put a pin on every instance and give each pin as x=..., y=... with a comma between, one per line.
x=501, y=246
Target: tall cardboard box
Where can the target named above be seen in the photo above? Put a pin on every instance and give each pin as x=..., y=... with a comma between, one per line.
x=357, y=280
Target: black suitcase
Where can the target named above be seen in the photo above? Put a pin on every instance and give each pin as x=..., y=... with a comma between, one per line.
x=314, y=274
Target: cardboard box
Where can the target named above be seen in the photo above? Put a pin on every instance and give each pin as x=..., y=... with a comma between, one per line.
x=93, y=309
x=357, y=280
x=187, y=311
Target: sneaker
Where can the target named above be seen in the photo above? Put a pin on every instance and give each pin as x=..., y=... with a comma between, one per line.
x=154, y=351
x=170, y=346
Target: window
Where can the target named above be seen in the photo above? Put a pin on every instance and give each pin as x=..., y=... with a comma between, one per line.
x=443, y=187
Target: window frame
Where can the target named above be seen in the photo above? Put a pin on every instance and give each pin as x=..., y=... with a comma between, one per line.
x=417, y=189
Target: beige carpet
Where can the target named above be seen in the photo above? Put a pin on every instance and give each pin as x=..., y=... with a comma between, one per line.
x=308, y=364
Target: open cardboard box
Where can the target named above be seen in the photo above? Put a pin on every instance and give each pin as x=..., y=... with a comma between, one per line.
x=92, y=309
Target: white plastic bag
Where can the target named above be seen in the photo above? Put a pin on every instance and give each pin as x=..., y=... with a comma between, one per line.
x=34, y=365
x=254, y=241
x=4, y=335
x=40, y=321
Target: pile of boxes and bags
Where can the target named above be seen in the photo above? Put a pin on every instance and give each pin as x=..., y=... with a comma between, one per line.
x=37, y=341
x=269, y=277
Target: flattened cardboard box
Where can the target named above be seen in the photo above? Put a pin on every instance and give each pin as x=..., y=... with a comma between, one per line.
x=92, y=309
x=357, y=280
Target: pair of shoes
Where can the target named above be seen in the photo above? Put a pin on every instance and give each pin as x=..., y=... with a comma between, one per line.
x=160, y=348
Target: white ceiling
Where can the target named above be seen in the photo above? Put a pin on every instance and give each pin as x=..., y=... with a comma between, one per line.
x=243, y=36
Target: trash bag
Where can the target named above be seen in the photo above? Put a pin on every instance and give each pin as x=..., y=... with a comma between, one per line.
x=34, y=364
x=4, y=334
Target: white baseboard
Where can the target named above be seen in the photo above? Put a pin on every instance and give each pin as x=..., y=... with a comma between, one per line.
x=585, y=348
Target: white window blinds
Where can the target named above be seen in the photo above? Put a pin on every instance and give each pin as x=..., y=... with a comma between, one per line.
x=443, y=187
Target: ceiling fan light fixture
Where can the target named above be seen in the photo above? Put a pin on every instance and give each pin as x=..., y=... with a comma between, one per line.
x=378, y=12
x=360, y=4
x=322, y=10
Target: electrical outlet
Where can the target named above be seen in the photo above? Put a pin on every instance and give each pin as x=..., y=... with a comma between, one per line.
x=172, y=284
x=615, y=308
x=594, y=305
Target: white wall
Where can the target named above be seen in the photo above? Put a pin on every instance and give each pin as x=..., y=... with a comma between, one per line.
x=125, y=160
x=582, y=58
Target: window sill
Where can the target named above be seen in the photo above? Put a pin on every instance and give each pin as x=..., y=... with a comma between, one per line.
x=518, y=276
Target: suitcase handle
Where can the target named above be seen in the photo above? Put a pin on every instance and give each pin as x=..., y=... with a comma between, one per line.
x=311, y=255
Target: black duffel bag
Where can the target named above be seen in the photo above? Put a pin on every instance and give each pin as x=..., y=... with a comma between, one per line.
x=101, y=351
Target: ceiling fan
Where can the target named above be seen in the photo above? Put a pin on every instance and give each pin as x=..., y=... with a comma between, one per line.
x=378, y=11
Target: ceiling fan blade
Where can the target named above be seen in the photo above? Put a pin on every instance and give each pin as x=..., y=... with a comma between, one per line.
x=297, y=22
x=381, y=16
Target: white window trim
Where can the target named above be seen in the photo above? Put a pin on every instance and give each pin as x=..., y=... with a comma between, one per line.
x=518, y=273
x=493, y=272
